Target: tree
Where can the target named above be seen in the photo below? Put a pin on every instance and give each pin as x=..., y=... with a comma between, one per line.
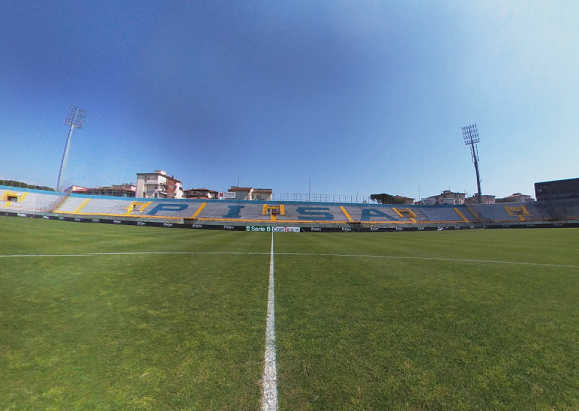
x=387, y=198
x=20, y=184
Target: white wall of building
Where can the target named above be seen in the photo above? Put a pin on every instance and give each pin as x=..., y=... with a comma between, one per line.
x=156, y=185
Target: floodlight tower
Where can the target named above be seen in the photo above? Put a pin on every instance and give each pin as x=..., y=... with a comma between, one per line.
x=74, y=119
x=471, y=137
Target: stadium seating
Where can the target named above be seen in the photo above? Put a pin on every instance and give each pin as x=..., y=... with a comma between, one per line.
x=445, y=213
x=496, y=212
x=216, y=210
x=377, y=213
x=233, y=212
x=69, y=204
x=308, y=213
x=559, y=210
x=28, y=201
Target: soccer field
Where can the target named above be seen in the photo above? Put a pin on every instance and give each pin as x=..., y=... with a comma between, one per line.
x=111, y=317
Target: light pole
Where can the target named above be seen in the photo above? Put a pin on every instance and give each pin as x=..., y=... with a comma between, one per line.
x=471, y=137
x=74, y=119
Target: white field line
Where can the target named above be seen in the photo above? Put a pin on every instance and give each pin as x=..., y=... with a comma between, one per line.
x=270, y=370
x=131, y=253
x=298, y=254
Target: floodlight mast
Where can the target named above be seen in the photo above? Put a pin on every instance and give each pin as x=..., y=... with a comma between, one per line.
x=471, y=137
x=74, y=119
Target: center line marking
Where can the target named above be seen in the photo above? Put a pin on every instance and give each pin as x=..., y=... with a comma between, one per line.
x=270, y=369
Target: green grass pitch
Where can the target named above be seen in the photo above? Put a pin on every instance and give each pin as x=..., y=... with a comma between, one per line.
x=476, y=319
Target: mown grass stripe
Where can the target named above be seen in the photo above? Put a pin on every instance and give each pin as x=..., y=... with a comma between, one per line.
x=433, y=259
x=300, y=254
x=270, y=369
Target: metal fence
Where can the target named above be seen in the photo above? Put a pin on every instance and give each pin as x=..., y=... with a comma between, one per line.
x=322, y=198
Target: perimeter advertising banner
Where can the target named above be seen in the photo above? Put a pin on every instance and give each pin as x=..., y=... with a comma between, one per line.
x=274, y=229
x=286, y=229
x=257, y=228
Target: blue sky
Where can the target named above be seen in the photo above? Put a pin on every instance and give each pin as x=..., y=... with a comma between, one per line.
x=357, y=97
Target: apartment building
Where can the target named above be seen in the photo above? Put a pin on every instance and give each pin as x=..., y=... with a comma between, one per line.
x=446, y=197
x=201, y=193
x=485, y=199
x=515, y=198
x=158, y=185
x=115, y=190
x=250, y=193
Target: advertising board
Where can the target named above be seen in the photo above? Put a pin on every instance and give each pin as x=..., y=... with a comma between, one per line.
x=286, y=229
x=257, y=228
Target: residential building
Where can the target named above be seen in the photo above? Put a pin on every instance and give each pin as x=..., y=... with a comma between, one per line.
x=485, y=199
x=262, y=194
x=406, y=200
x=426, y=201
x=250, y=193
x=241, y=193
x=446, y=197
x=75, y=189
x=200, y=193
x=515, y=198
x=449, y=197
x=120, y=190
x=158, y=185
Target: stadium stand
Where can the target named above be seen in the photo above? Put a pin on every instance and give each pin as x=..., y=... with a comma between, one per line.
x=97, y=206
x=233, y=211
x=29, y=201
x=12, y=196
x=272, y=213
x=376, y=213
x=146, y=209
x=419, y=215
x=534, y=212
x=466, y=214
x=478, y=217
x=69, y=205
x=309, y=213
x=500, y=212
x=446, y=213
x=405, y=212
x=556, y=210
x=569, y=209
x=56, y=204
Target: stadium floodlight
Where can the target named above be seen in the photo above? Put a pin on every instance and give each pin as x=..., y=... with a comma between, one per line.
x=74, y=119
x=471, y=137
